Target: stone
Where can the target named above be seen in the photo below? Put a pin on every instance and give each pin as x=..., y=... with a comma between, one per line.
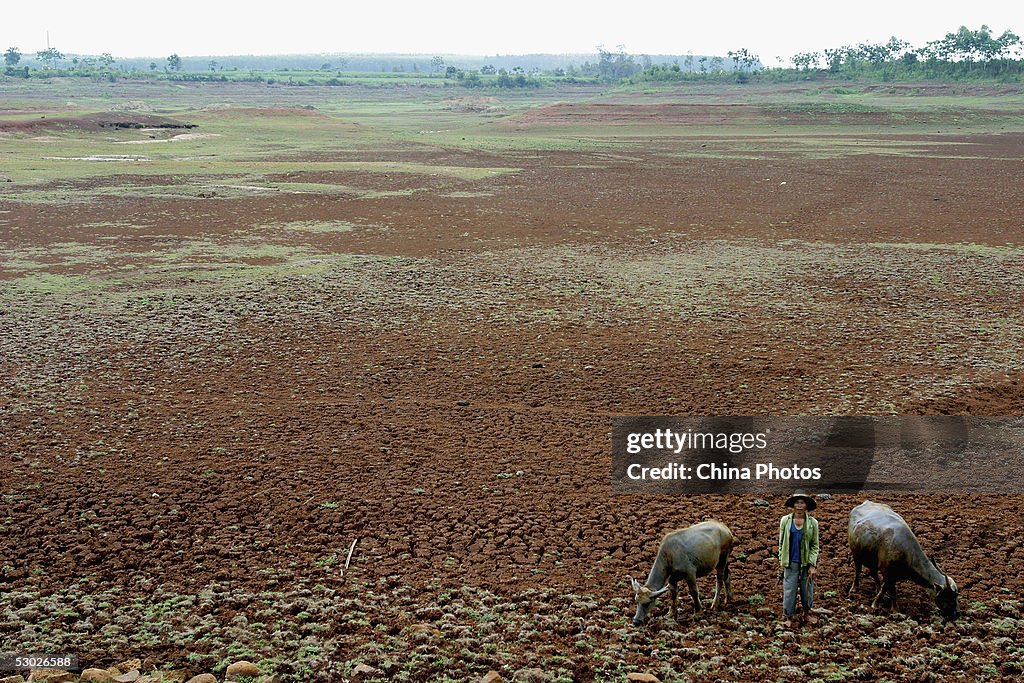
x=363, y=671
x=13, y=679
x=96, y=676
x=423, y=632
x=128, y=676
x=490, y=677
x=203, y=678
x=242, y=669
x=52, y=676
x=761, y=502
x=126, y=666
x=175, y=676
x=638, y=677
x=529, y=676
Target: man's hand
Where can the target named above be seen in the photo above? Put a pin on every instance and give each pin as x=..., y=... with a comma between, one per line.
x=812, y=571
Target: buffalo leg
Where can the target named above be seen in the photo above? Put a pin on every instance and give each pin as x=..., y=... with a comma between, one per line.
x=856, y=578
x=719, y=586
x=885, y=589
x=878, y=596
x=691, y=583
x=675, y=600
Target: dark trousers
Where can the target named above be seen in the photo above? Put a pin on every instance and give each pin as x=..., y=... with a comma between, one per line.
x=795, y=579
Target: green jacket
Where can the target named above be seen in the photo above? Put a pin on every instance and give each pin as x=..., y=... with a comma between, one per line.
x=809, y=545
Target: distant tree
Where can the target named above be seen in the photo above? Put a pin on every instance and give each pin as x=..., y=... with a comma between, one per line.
x=50, y=57
x=326, y=66
x=452, y=72
x=1007, y=42
x=106, y=60
x=688, y=62
x=488, y=69
x=989, y=48
x=878, y=53
x=12, y=56
x=437, y=62
x=153, y=66
x=744, y=60
x=174, y=63
x=213, y=65
x=834, y=57
x=613, y=66
x=972, y=46
x=806, y=60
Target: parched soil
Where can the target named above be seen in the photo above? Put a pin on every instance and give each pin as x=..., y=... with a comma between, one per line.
x=266, y=112
x=92, y=122
x=711, y=114
x=207, y=399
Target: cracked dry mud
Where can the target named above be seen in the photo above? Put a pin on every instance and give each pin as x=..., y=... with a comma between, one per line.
x=202, y=407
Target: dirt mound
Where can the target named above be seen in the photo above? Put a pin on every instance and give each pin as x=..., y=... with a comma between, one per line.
x=472, y=104
x=94, y=122
x=942, y=89
x=998, y=398
x=568, y=113
x=677, y=114
x=132, y=105
x=267, y=112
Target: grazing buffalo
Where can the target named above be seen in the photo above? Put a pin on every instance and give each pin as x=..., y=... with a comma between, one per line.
x=882, y=541
x=686, y=554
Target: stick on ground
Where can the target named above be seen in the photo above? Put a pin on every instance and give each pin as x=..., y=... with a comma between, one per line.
x=351, y=549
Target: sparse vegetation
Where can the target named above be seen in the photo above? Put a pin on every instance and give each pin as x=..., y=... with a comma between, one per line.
x=402, y=317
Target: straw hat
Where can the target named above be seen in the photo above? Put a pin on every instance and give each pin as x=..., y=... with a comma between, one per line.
x=807, y=499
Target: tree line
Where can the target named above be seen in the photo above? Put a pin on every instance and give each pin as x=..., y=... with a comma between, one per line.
x=964, y=53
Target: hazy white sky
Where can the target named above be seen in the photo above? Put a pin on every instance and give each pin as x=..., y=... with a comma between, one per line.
x=479, y=27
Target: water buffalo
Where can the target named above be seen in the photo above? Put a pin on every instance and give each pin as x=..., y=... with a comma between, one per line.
x=686, y=554
x=882, y=541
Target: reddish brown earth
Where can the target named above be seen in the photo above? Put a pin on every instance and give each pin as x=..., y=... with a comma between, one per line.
x=91, y=122
x=450, y=410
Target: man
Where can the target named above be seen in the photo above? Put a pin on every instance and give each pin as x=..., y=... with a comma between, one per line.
x=798, y=555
